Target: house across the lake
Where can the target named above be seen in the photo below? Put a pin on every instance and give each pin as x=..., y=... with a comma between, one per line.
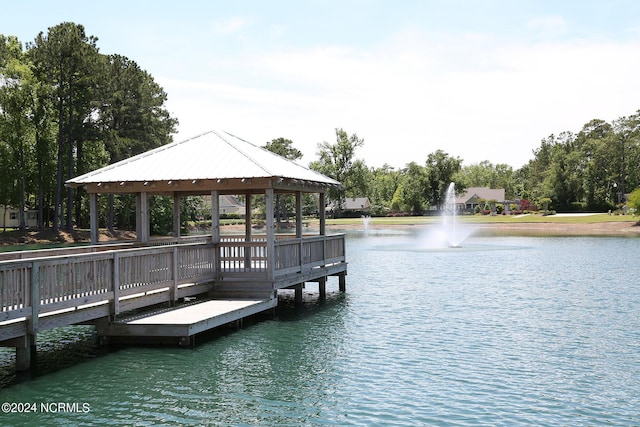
x=351, y=206
x=477, y=196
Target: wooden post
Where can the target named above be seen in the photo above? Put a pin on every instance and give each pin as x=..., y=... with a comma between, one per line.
x=115, y=306
x=143, y=215
x=298, y=214
x=298, y=294
x=299, y=228
x=247, y=216
x=322, y=287
x=176, y=215
x=93, y=217
x=32, y=324
x=247, y=231
x=215, y=216
x=138, y=217
x=215, y=229
x=323, y=215
x=176, y=276
x=25, y=352
x=342, y=282
x=269, y=201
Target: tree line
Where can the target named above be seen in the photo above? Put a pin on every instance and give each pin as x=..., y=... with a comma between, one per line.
x=593, y=169
x=66, y=109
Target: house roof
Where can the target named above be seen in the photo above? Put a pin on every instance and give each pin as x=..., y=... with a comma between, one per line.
x=356, y=203
x=351, y=204
x=485, y=193
x=229, y=201
x=214, y=155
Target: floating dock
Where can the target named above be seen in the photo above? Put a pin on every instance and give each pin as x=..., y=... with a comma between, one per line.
x=180, y=325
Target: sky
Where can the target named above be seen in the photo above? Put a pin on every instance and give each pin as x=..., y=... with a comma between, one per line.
x=482, y=80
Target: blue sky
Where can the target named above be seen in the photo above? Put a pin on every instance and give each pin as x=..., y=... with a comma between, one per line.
x=481, y=80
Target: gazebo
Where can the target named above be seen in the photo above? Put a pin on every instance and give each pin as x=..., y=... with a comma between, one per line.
x=218, y=163
x=214, y=163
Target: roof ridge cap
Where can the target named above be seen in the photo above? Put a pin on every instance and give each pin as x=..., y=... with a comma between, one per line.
x=243, y=152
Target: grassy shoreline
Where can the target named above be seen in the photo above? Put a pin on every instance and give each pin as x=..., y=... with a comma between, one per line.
x=497, y=219
x=556, y=225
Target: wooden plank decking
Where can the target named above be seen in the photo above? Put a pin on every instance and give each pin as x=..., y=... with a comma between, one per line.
x=186, y=321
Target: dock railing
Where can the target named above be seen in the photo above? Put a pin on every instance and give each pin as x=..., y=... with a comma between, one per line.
x=297, y=255
x=41, y=292
x=90, y=285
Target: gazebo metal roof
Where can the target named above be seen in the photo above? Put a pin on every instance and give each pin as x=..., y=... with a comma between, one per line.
x=211, y=160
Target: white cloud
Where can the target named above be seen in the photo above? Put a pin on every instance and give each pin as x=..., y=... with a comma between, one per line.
x=474, y=97
x=550, y=25
x=229, y=26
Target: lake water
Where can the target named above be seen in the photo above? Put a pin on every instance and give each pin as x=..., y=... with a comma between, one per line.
x=504, y=331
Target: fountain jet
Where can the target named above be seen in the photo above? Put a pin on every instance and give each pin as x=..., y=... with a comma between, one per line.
x=448, y=233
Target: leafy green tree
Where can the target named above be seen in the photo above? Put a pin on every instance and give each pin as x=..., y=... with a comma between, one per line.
x=283, y=147
x=486, y=174
x=383, y=185
x=634, y=201
x=625, y=145
x=440, y=171
x=131, y=117
x=412, y=189
x=338, y=162
x=15, y=127
x=66, y=109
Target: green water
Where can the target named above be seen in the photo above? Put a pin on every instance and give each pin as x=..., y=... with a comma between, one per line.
x=502, y=331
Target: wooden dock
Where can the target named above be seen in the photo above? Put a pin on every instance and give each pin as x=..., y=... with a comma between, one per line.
x=180, y=325
x=231, y=279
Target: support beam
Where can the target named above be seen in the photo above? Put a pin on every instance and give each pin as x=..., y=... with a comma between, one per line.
x=298, y=294
x=142, y=217
x=26, y=350
x=323, y=214
x=342, y=282
x=215, y=216
x=25, y=354
x=93, y=217
x=176, y=215
x=247, y=230
x=298, y=214
x=269, y=200
x=322, y=287
x=138, y=218
x=247, y=215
